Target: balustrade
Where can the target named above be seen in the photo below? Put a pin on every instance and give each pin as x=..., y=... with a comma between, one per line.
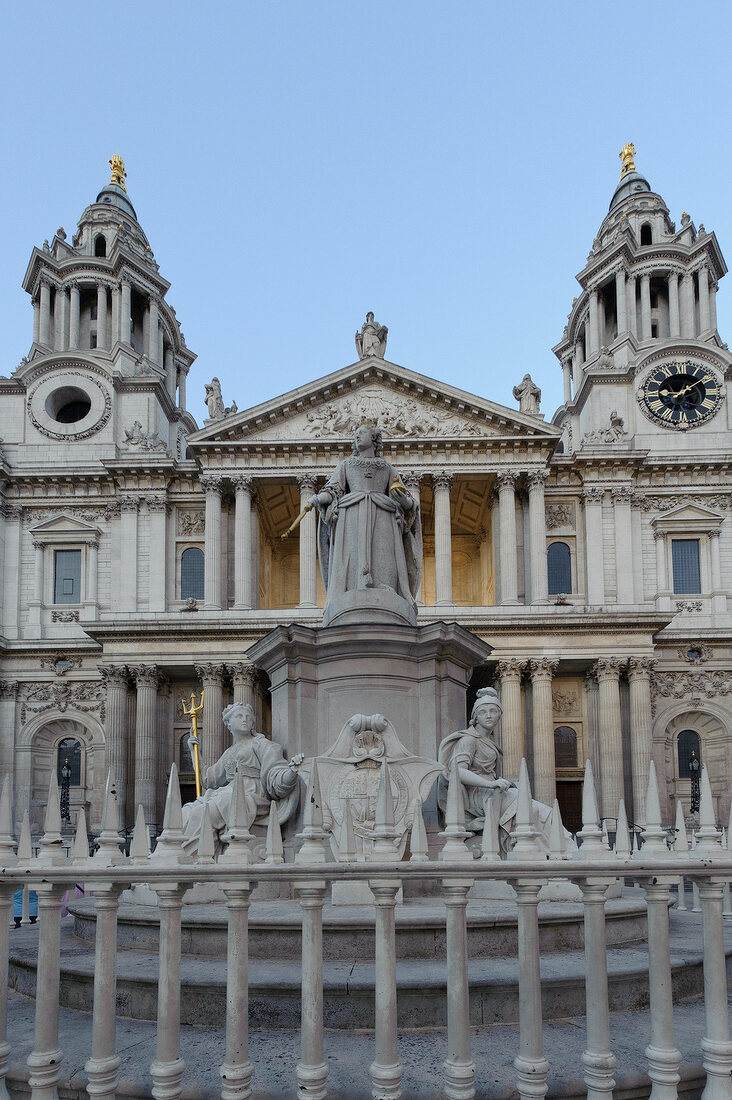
x=594, y=867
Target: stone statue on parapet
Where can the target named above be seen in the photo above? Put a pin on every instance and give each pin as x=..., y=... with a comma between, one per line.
x=528, y=396
x=267, y=776
x=215, y=402
x=371, y=340
x=479, y=762
x=369, y=538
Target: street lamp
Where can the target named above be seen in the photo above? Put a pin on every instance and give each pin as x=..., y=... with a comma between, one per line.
x=694, y=767
x=65, y=786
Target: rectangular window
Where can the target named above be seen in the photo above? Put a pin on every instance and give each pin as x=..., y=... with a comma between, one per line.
x=685, y=558
x=67, y=576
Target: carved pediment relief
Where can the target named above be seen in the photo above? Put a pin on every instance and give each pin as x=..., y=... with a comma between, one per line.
x=61, y=526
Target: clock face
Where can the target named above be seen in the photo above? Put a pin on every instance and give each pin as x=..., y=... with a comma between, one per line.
x=681, y=394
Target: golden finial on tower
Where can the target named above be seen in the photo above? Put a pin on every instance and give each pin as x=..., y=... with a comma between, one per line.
x=118, y=170
x=626, y=154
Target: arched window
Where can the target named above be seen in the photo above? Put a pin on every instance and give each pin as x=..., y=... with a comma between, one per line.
x=100, y=245
x=689, y=742
x=191, y=573
x=559, y=568
x=69, y=752
x=646, y=234
x=565, y=747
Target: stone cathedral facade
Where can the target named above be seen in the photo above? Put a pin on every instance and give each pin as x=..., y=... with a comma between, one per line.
x=143, y=556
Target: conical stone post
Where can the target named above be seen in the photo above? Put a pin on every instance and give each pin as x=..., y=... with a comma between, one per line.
x=455, y=833
x=593, y=845
x=622, y=836
x=654, y=835
x=418, y=837
x=708, y=836
x=237, y=835
x=313, y=835
x=169, y=848
x=274, y=851
x=51, y=851
x=525, y=835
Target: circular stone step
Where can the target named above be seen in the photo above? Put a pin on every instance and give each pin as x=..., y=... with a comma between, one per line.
x=348, y=931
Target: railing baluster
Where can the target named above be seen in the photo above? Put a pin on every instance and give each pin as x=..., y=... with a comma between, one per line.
x=716, y=1044
x=167, y=1068
x=45, y=1058
x=102, y=1067
x=459, y=1066
x=663, y=1057
x=386, y=1069
x=598, y=1059
x=6, y=903
x=312, y=1071
x=237, y=1070
x=531, y=1065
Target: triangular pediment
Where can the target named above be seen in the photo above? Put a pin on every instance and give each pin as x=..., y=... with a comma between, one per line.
x=64, y=525
x=404, y=404
x=689, y=514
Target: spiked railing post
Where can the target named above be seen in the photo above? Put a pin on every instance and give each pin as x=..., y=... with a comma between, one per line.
x=81, y=840
x=52, y=853
x=274, y=851
x=593, y=843
x=206, y=839
x=418, y=837
x=313, y=835
x=455, y=833
x=654, y=835
x=109, y=840
x=557, y=836
x=525, y=834
x=708, y=836
x=490, y=847
x=237, y=836
x=25, y=843
x=347, y=842
x=681, y=849
x=140, y=846
x=622, y=836
x=169, y=848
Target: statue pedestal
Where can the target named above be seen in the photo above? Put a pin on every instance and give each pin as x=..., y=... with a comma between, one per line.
x=415, y=676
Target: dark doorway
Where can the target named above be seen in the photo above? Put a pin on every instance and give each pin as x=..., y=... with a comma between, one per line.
x=569, y=796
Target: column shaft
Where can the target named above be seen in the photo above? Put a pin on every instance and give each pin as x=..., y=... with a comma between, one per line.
x=152, y=331
x=103, y=1064
x=537, y=537
x=125, y=333
x=45, y=323
x=212, y=544
x=639, y=676
x=621, y=302
x=594, y=323
x=312, y=1071
x=611, y=739
x=531, y=1065
x=598, y=1059
x=115, y=316
x=236, y=1072
x=459, y=1065
x=663, y=1057
x=74, y=315
x=101, y=315
x=146, y=679
x=115, y=678
x=386, y=1070
x=705, y=319
x=157, y=571
x=631, y=305
x=308, y=556
x=213, y=735
x=508, y=562
x=713, y=306
x=674, y=321
x=512, y=721
x=645, y=307
x=443, y=538
x=661, y=571
x=622, y=496
x=567, y=379
x=128, y=555
x=243, y=542
x=545, y=784
x=36, y=321
x=687, y=305
x=167, y=1068
x=595, y=570
x=59, y=320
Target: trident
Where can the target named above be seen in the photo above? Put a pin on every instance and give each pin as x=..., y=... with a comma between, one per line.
x=193, y=713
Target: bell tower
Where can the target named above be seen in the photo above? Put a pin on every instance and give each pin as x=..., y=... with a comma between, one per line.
x=640, y=353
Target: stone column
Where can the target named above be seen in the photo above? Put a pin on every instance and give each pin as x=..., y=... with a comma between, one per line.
x=157, y=518
x=512, y=722
x=621, y=302
x=36, y=321
x=705, y=317
x=115, y=316
x=128, y=554
x=595, y=570
x=622, y=496
x=719, y=596
x=593, y=722
x=214, y=738
x=545, y=782
x=212, y=544
x=312, y=1070
x=165, y=742
x=115, y=679
x=125, y=333
x=663, y=1056
x=687, y=305
x=412, y=482
x=662, y=592
x=645, y=307
x=537, y=537
x=567, y=379
x=601, y=319
x=74, y=315
x=631, y=306
x=245, y=679
x=45, y=1058
x=508, y=564
x=242, y=542
x=103, y=1064
x=639, y=676
x=170, y=371
x=101, y=315
x=713, y=287
x=716, y=1045
x=91, y=593
x=39, y=571
x=386, y=1069
x=530, y=1063
x=594, y=323
x=168, y=1067
x=579, y=359
x=146, y=763
x=152, y=330
x=673, y=305
x=182, y=388
x=59, y=320
x=308, y=556
x=459, y=1066
x=45, y=322
x=237, y=1070
x=441, y=483
x=611, y=738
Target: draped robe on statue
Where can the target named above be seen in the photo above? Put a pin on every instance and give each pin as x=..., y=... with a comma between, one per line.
x=370, y=545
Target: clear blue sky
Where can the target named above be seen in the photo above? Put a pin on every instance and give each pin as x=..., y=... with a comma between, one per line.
x=295, y=164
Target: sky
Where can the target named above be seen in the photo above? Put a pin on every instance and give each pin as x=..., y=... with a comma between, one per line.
x=296, y=164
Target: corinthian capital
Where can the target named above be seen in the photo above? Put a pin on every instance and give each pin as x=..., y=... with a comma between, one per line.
x=510, y=668
x=593, y=494
x=211, y=483
x=114, y=674
x=307, y=482
x=537, y=479
x=641, y=668
x=608, y=668
x=212, y=674
x=542, y=668
x=145, y=675
x=442, y=480
x=506, y=479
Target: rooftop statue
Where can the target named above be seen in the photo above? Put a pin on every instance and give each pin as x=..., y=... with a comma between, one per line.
x=118, y=171
x=627, y=156
x=267, y=775
x=369, y=537
x=215, y=401
x=480, y=767
x=371, y=340
x=528, y=396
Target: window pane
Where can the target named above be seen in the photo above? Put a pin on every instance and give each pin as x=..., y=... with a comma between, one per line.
x=69, y=753
x=565, y=747
x=685, y=557
x=67, y=576
x=191, y=574
x=688, y=742
x=559, y=568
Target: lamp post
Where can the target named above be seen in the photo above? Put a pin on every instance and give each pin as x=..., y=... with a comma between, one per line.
x=694, y=768
x=65, y=787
